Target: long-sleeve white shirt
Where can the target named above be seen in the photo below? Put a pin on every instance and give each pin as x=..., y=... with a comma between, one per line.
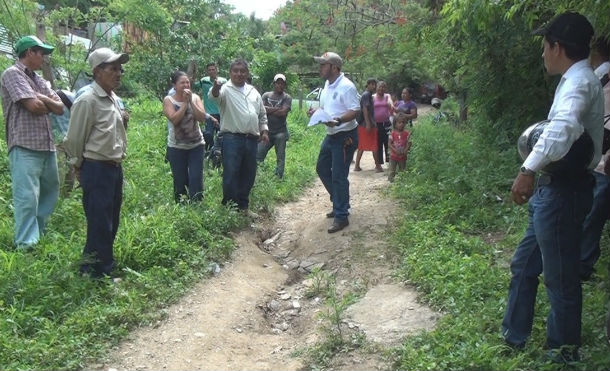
x=578, y=106
x=241, y=109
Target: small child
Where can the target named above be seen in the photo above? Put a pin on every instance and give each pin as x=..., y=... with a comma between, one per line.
x=399, y=145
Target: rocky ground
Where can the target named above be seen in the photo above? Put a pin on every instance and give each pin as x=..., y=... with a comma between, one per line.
x=261, y=311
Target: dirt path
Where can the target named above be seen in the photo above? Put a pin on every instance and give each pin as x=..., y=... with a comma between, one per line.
x=258, y=312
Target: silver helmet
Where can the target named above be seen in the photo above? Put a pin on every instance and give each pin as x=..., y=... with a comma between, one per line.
x=529, y=137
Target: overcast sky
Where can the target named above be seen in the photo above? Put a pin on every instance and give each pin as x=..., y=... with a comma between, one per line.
x=263, y=9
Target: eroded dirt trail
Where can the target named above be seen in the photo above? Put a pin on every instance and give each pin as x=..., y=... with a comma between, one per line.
x=256, y=312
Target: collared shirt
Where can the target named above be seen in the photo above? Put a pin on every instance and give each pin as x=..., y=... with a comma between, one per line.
x=24, y=128
x=206, y=84
x=606, y=156
x=602, y=69
x=578, y=106
x=338, y=98
x=96, y=128
x=241, y=109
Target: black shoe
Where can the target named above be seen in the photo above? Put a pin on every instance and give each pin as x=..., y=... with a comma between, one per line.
x=338, y=225
x=519, y=346
x=566, y=356
x=330, y=215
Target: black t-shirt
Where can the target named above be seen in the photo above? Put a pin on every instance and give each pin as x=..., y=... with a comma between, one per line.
x=366, y=100
x=276, y=124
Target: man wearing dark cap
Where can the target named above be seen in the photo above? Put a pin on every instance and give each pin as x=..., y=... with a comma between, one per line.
x=341, y=101
x=277, y=105
x=562, y=196
x=26, y=103
x=96, y=144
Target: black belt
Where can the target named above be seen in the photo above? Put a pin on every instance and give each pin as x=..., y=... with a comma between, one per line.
x=581, y=179
x=105, y=162
x=247, y=136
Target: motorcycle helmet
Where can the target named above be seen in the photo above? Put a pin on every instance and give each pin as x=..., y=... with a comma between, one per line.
x=436, y=103
x=578, y=157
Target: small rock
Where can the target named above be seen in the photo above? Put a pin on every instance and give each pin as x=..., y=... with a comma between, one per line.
x=291, y=312
x=272, y=240
x=112, y=369
x=284, y=326
x=274, y=305
x=285, y=296
x=199, y=334
x=296, y=304
x=277, y=349
x=239, y=330
x=214, y=268
x=177, y=340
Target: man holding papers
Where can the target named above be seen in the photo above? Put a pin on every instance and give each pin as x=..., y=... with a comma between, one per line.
x=340, y=101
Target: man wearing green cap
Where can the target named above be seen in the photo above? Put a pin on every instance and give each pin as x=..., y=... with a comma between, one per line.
x=26, y=102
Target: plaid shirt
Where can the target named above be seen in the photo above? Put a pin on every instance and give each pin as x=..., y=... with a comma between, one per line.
x=24, y=128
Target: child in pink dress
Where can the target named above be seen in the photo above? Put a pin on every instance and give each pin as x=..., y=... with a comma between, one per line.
x=399, y=144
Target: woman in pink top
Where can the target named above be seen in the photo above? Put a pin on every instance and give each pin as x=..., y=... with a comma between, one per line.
x=384, y=108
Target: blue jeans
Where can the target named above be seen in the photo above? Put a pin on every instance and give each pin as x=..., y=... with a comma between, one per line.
x=334, y=159
x=553, y=235
x=209, y=131
x=594, y=224
x=102, y=198
x=187, y=170
x=35, y=186
x=239, y=163
x=279, y=141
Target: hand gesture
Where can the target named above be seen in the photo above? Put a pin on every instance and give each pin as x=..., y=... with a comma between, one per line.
x=188, y=95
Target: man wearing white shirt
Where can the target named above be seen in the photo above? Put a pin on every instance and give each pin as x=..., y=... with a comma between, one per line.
x=562, y=196
x=341, y=101
x=600, y=57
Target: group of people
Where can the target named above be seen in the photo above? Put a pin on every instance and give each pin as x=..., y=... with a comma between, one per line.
x=382, y=125
x=568, y=205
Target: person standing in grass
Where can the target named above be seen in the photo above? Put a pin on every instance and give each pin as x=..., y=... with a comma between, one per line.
x=97, y=143
x=407, y=106
x=26, y=104
x=400, y=143
x=340, y=100
x=184, y=110
x=562, y=196
x=277, y=105
x=367, y=132
x=212, y=122
x=244, y=124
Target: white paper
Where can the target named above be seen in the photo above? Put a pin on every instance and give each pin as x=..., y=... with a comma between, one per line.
x=319, y=117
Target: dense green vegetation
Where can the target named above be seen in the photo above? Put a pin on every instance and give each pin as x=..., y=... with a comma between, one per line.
x=52, y=318
x=456, y=240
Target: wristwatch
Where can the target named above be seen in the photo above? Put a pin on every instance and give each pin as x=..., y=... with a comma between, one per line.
x=338, y=119
x=526, y=171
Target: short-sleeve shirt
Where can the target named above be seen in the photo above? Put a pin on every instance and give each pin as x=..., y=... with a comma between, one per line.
x=405, y=107
x=366, y=100
x=24, y=128
x=277, y=124
x=336, y=99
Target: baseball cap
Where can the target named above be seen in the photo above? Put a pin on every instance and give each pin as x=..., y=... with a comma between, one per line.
x=330, y=57
x=570, y=28
x=105, y=55
x=278, y=77
x=27, y=42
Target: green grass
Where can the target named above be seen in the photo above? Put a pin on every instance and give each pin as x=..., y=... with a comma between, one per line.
x=450, y=193
x=52, y=318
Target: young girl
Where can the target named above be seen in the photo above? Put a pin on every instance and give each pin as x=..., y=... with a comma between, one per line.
x=399, y=145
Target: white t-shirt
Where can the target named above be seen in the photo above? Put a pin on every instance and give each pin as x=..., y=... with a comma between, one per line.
x=336, y=99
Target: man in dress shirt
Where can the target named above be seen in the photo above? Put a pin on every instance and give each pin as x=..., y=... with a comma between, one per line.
x=600, y=56
x=96, y=144
x=340, y=100
x=26, y=103
x=244, y=124
x=561, y=199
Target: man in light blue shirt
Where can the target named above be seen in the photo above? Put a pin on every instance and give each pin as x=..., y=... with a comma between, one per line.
x=562, y=196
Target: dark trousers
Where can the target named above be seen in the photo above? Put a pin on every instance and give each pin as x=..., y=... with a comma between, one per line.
x=102, y=185
x=187, y=170
x=209, y=131
x=556, y=213
x=239, y=163
x=333, y=164
x=594, y=225
x=383, y=149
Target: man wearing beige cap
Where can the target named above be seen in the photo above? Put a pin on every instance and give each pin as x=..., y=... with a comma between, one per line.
x=341, y=101
x=96, y=144
x=277, y=105
x=26, y=103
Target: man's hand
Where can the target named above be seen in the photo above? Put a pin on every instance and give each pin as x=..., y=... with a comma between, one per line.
x=523, y=188
x=214, y=121
x=310, y=111
x=216, y=88
x=331, y=123
x=265, y=137
x=125, y=115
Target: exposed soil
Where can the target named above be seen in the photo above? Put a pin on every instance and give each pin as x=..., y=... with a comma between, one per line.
x=258, y=312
